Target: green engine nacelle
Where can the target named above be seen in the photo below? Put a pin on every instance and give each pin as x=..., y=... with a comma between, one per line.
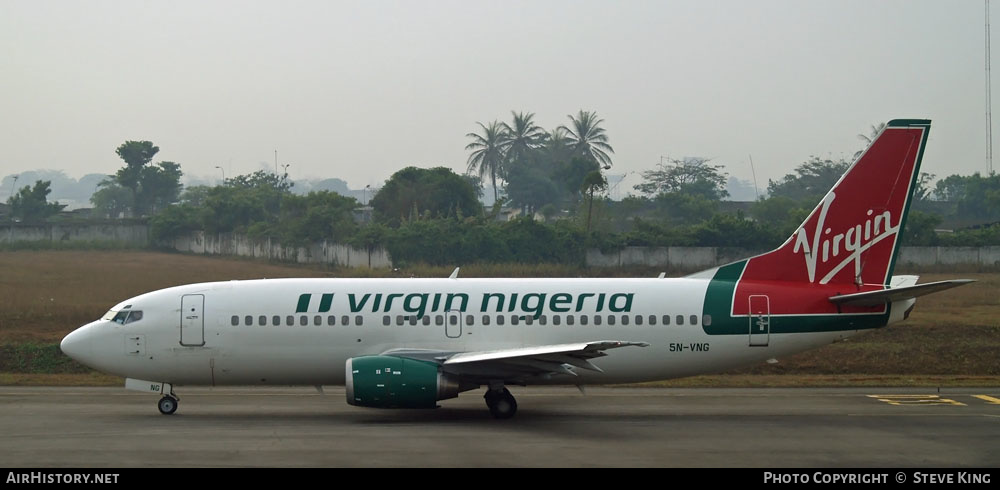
x=397, y=382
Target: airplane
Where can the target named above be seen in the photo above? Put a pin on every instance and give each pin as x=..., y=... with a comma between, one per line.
x=409, y=343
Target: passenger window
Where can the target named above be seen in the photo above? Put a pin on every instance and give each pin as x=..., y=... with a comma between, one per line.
x=694, y=319
x=317, y=320
x=499, y=319
x=386, y=320
x=453, y=319
x=427, y=319
x=556, y=319
x=624, y=319
x=345, y=320
x=262, y=320
x=486, y=319
x=569, y=319
x=666, y=319
x=707, y=321
x=542, y=320
x=399, y=320
x=275, y=320
x=438, y=320
x=359, y=320
x=514, y=319
x=611, y=319
x=680, y=319
x=331, y=320
x=469, y=319
x=529, y=319
x=597, y=319
x=413, y=319
x=289, y=320
x=584, y=319
x=235, y=320
x=248, y=320
x=638, y=319
x=303, y=320
x=652, y=319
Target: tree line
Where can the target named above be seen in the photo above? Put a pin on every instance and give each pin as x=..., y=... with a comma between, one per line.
x=553, y=179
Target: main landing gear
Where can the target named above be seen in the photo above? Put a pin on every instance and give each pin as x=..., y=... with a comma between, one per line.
x=501, y=403
x=168, y=404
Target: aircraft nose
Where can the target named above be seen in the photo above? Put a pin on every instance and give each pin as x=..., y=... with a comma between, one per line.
x=78, y=345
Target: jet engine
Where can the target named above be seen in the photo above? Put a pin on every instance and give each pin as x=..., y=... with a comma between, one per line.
x=398, y=382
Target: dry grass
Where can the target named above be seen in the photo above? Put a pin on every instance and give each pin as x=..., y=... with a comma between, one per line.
x=954, y=332
x=954, y=335
x=88, y=379
x=45, y=295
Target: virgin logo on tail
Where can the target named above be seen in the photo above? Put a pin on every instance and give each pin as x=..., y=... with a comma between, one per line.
x=853, y=241
x=849, y=240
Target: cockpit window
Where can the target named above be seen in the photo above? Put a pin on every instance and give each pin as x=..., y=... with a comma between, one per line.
x=113, y=313
x=127, y=316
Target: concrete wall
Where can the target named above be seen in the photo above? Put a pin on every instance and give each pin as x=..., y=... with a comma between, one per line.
x=921, y=256
x=667, y=257
x=692, y=258
x=683, y=258
x=317, y=253
x=132, y=234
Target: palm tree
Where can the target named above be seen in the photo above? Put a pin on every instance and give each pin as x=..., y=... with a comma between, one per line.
x=872, y=133
x=523, y=136
x=593, y=182
x=869, y=138
x=587, y=138
x=489, y=150
x=556, y=146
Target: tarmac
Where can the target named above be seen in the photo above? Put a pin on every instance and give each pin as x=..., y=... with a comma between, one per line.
x=554, y=427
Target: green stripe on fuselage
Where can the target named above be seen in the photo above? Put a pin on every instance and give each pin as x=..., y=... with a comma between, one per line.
x=303, y=305
x=719, y=304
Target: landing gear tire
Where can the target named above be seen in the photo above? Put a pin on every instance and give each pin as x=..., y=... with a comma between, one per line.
x=167, y=405
x=501, y=403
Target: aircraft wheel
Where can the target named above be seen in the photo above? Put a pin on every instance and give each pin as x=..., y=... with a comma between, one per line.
x=167, y=405
x=502, y=404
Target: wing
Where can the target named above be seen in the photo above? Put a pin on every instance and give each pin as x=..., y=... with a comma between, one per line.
x=521, y=363
x=875, y=298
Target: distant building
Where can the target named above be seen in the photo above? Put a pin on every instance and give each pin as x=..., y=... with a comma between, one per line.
x=362, y=215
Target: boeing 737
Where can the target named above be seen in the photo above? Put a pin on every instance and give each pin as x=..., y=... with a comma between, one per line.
x=409, y=343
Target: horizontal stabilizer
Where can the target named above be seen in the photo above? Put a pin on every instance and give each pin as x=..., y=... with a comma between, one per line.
x=876, y=298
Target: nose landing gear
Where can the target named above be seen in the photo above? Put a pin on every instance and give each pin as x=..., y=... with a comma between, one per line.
x=167, y=404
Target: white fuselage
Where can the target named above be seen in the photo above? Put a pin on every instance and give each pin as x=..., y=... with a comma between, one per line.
x=224, y=333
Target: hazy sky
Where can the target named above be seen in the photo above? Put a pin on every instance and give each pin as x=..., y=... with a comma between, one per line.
x=357, y=90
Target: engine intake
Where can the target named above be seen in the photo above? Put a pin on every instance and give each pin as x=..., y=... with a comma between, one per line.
x=397, y=382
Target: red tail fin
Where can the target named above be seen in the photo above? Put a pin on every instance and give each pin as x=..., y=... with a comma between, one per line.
x=852, y=237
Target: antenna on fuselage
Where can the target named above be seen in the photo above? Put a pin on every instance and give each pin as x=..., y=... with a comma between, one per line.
x=454, y=274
